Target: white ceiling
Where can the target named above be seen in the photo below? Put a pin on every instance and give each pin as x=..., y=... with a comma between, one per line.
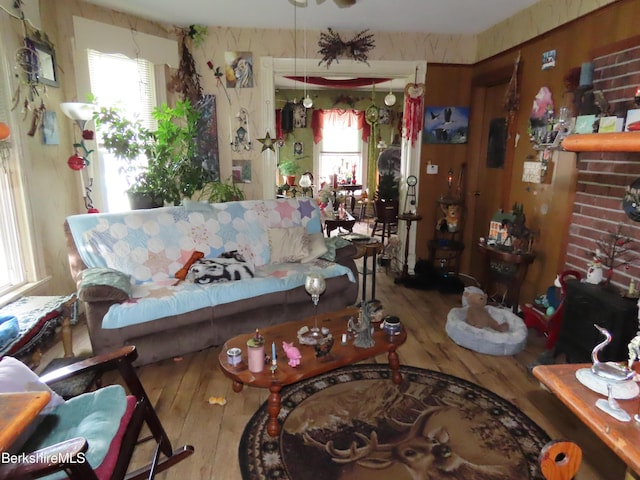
x=430, y=16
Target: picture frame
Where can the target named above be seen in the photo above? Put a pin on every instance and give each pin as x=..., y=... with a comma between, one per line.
x=445, y=124
x=43, y=63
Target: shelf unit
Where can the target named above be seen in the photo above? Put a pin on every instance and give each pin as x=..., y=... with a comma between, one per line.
x=445, y=249
x=602, y=142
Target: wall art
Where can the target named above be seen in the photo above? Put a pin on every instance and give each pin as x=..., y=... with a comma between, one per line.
x=445, y=125
x=241, y=171
x=207, y=136
x=239, y=69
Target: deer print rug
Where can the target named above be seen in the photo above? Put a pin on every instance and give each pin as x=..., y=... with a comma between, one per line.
x=354, y=423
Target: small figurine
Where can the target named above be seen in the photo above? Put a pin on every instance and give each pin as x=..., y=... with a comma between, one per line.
x=293, y=354
x=451, y=218
x=370, y=311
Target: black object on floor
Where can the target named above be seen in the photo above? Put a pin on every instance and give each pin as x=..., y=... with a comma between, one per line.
x=428, y=277
x=74, y=386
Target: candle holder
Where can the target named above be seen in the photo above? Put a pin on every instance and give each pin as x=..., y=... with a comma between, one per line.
x=315, y=285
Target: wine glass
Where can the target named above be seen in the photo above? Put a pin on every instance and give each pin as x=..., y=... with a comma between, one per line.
x=315, y=286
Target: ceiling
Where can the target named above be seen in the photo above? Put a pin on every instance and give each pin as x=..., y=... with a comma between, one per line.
x=459, y=17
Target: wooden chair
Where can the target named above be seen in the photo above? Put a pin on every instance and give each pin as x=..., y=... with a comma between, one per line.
x=549, y=325
x=560, y=460
x=68, y=455
x=385, y=223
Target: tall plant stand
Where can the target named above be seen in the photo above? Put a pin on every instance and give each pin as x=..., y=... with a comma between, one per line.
x=409, y=218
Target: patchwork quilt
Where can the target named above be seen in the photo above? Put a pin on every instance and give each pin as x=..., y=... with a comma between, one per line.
x=152, y=245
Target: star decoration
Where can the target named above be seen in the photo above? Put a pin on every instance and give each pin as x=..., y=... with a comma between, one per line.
x=267, y=143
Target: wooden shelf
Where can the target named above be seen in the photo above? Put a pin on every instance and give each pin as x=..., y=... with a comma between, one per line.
x=603, y=142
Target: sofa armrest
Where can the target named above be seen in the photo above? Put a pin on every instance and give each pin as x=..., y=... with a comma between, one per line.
x=345, y=254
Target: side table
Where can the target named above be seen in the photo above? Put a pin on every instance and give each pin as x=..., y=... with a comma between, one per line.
x=366, y=249
x=332, y=222
x=409, y=218
x=509, y=267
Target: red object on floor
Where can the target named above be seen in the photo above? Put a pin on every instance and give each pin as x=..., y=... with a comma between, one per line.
x=548, y=325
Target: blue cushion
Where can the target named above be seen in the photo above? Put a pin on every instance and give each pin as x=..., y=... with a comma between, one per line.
x=9, y=329
x=95, y=416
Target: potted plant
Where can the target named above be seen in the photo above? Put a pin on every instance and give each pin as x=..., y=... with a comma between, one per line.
x=220, y=191
x=159, y=165
x=288, y=169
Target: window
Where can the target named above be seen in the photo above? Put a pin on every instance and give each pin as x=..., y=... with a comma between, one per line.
x=341, y=152
x=15, y=260
x=129, y=84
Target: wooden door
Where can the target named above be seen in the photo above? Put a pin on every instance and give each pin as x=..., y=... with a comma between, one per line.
x=490, y=189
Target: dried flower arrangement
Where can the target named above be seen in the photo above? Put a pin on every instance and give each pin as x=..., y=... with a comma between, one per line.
x=332, y=46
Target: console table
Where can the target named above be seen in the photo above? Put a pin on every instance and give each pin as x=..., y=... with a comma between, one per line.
x=622, y=438
x=510, y=268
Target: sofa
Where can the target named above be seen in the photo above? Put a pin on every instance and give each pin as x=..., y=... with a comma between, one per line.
x=125, y=267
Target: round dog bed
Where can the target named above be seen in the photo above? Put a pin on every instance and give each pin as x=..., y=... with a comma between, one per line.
x=487, y=340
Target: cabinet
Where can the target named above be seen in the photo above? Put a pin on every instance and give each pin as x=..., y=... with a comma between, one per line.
x=585, y=305
x=445, y=249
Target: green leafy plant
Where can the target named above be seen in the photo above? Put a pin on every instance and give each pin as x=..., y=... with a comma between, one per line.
x=161, y=163
x=289, y=167
x=220, y=191
x=388, y=187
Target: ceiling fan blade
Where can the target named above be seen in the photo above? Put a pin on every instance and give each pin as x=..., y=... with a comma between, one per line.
x=344, y=3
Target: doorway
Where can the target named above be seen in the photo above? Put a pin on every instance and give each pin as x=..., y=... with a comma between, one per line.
x=493, y=164
x=408, y=71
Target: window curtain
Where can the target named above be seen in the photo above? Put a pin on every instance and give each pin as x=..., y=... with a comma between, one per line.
x=320, y=117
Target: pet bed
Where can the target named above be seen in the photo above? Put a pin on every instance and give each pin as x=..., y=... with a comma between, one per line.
x=486, y=340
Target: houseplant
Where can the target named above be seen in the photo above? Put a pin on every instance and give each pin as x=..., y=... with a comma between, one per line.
x=160, y=165
x=220, y=191
x=288, y=169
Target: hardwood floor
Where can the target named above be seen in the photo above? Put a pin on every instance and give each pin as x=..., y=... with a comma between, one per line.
x=181, y=388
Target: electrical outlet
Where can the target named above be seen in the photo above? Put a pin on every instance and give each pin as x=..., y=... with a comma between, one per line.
x=432, y=169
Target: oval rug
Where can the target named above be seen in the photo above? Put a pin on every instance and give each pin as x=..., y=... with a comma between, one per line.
x=354, y=423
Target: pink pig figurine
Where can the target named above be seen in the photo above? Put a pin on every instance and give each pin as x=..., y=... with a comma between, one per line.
x=293, y=354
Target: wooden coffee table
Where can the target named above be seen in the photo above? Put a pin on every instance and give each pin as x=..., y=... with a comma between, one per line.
x=310, y=365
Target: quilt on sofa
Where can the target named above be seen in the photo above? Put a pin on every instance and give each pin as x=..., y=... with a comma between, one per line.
x=152, y=245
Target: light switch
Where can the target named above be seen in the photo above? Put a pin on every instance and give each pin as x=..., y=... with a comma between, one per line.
x=432, y=169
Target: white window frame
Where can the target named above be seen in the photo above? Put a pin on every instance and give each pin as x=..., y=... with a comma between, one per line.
x=30, y=255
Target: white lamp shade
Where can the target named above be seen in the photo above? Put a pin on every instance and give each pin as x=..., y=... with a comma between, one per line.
x=78, y=110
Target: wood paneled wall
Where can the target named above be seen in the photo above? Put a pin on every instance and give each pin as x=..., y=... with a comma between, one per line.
x=548, y=206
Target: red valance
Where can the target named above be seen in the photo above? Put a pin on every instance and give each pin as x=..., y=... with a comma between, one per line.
x=338, y=82
x=346, y=117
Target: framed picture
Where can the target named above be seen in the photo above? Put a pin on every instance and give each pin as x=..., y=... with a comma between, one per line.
x=445, y=125
x=43, y=63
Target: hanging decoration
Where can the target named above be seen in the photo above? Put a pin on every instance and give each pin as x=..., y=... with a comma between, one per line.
x=241, y=136
x=414, y=109
x=333, y=47
x=37, y=69
x=267, y=143
x=186, y=81
x=512, y=95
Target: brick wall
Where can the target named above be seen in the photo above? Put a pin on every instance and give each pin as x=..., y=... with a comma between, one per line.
x=603, y=177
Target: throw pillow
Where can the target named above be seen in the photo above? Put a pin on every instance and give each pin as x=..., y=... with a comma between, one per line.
x=15, y=376
x=222, y=269
x=317, y=247
x=333, y=243
x=9, y=330
x=288, y=244
x=98, y=277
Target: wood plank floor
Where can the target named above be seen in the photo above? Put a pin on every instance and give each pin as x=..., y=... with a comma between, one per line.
x=180, y=389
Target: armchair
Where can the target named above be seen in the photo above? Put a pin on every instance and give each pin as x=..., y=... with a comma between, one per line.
x=67, y=457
